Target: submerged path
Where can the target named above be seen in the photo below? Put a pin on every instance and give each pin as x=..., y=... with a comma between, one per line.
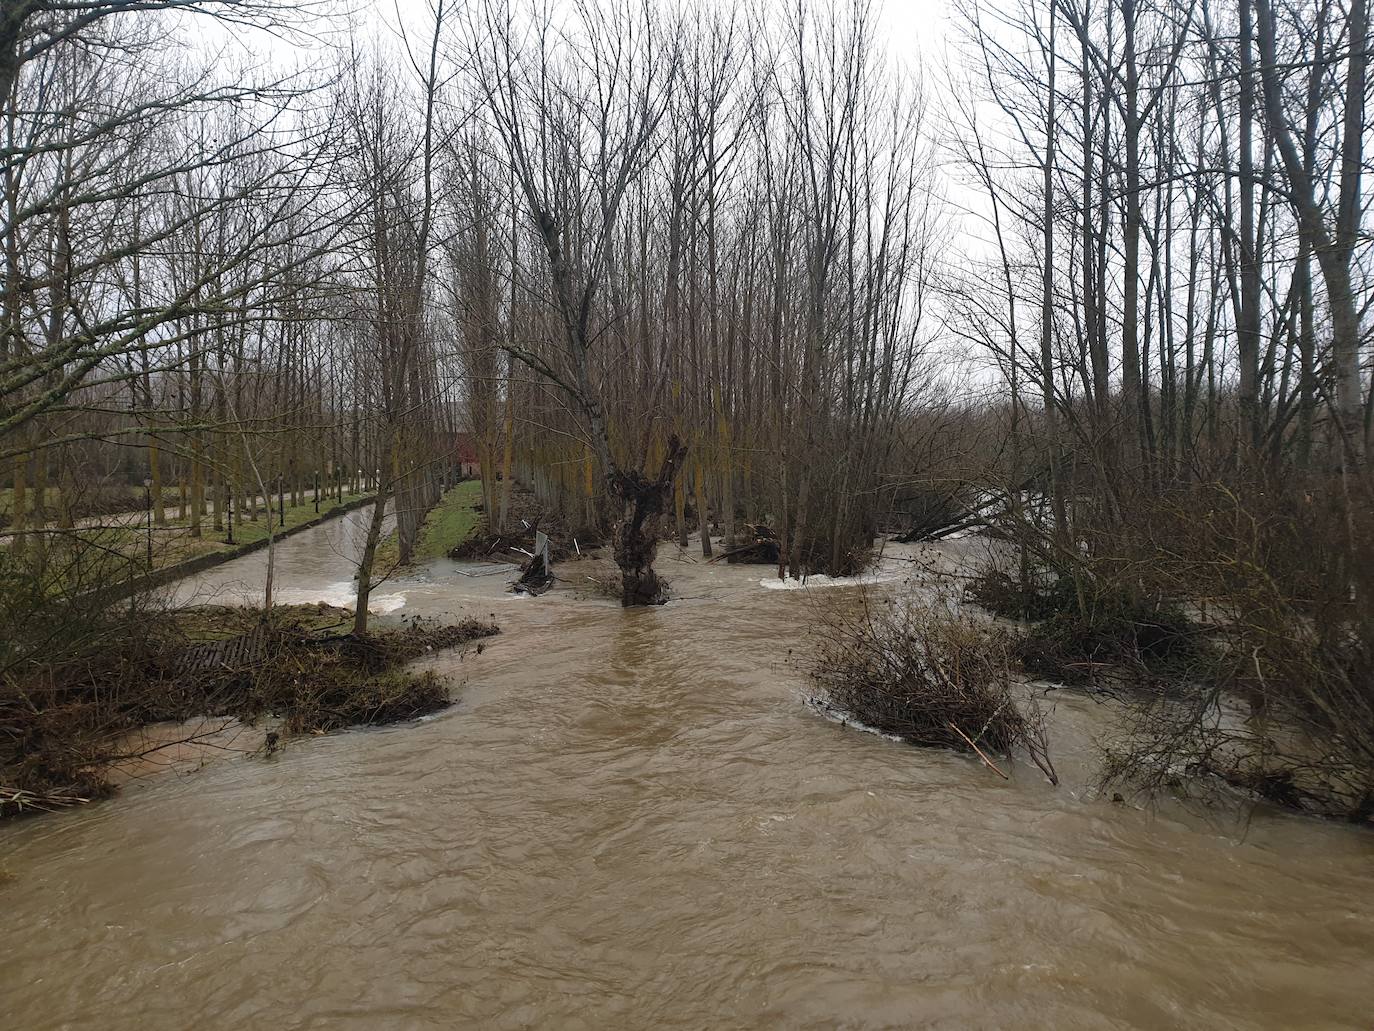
x=631, y=820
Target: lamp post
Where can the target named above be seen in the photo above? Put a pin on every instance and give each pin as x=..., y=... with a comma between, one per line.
x=230, y=506
x=148, y=512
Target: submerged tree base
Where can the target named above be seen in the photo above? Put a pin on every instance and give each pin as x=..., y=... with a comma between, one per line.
x=635, y=541
x=63, y=726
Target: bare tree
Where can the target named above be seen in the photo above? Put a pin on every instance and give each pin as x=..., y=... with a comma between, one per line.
x=601, y=103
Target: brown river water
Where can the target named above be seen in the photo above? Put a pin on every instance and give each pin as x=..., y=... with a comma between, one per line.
x=632, y=820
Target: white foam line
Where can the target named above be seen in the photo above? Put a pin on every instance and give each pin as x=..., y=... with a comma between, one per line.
x=343, y=595
x=844, y=719
x=820, y=580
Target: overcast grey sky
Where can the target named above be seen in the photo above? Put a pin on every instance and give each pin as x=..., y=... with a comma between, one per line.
x=916, y=27
x=911, y=27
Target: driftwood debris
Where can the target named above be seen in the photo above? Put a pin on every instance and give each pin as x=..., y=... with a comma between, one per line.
x=757, y=545
x=536, y=575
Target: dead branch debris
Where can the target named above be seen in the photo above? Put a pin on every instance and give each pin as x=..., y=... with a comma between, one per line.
x=756, y=544
x=526, y=519
x=929, y=678
x=535, y=576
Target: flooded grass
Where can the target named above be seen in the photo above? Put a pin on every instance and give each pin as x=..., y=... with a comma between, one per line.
x=126, y=547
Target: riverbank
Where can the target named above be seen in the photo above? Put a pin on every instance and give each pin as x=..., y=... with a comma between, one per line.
x=176, y=558
x=65, y=728
x=107, y=563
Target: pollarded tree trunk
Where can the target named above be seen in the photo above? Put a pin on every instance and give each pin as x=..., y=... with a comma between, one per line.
x=635, y=540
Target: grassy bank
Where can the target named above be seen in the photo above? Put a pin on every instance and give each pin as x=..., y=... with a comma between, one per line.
x=66, y=563
x=63, y=726
x=173, y=543
x=453, y=520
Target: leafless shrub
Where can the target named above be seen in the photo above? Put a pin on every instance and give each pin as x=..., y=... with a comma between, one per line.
x=1038, y=594
x=1096, y=624
x=929, y=678
x=1284, y=573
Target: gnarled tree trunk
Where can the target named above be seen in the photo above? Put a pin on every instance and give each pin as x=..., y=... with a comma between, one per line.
x=635, y=539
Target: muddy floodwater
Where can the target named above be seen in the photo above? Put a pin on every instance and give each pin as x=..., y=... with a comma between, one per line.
x=632, y=820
